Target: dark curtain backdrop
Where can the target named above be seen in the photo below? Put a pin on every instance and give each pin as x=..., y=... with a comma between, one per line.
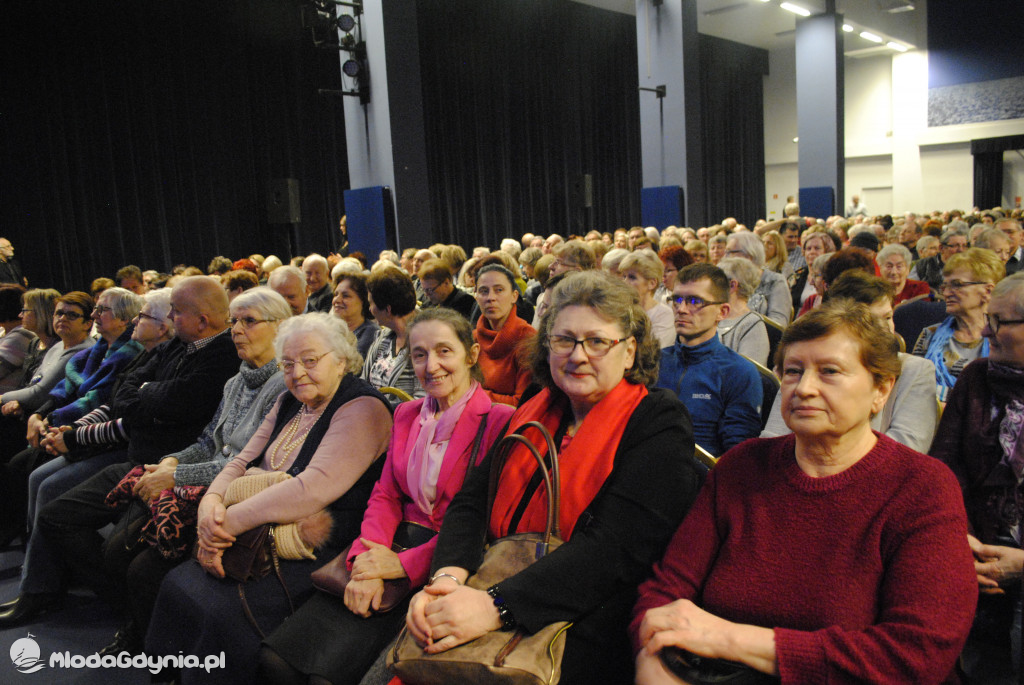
x=146, y=133
x=522, y=98
x=732, y=106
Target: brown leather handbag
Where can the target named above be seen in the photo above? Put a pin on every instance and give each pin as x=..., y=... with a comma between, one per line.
x=333, y=576
x=500, y=656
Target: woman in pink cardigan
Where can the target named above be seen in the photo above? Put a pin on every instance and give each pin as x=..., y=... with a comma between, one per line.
x=433, y=443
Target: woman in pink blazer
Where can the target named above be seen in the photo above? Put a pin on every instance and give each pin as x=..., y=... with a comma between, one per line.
x=434, y=442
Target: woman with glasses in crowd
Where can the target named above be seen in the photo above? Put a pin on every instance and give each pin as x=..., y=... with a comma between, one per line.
x=327, y=432
x=967, y=282
x=627, y=478
x=980, y=438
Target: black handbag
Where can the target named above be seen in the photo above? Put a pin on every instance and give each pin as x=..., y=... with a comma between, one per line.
x=699, y=670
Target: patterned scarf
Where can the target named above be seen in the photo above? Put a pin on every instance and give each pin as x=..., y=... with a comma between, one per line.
x=944, y=379
x=1007, y=383
x=90, y=375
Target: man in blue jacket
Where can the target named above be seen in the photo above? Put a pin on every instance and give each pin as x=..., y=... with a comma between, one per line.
x=721, y=389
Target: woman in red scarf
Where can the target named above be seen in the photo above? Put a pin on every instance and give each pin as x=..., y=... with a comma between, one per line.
x=627, y=477
x=499, y=332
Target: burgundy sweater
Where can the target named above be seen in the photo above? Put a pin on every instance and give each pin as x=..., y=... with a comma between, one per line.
x=865, y=576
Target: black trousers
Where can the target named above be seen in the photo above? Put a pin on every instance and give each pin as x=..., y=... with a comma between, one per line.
x=14, y=475
x=72, y=523
x=123, y=570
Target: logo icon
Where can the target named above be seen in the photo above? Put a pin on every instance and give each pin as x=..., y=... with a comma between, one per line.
x=25, y=655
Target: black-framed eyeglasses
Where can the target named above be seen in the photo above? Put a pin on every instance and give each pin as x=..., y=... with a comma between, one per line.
x=246, y=321
x=67, y=314
x=692, y=302
x=563, y=345
x=100, y=308
x=432, y=291
x=994, y=322
x=959, y=285
x=144, y=315
x=309, y=363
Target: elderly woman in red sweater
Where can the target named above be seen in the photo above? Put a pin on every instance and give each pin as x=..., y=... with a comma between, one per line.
x=499, y=331
x=834, y=554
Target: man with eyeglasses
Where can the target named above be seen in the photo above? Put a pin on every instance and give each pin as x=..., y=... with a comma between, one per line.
x=930, y=270
x=436, y=281
x=163, y=405
x=720, y=388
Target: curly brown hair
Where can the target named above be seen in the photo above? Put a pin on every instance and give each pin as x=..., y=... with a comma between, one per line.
x=612, y=299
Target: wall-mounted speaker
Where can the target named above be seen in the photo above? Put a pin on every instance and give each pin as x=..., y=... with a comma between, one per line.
x=283, y=201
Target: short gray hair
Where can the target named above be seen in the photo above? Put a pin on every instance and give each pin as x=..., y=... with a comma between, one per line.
x=159, y=302
x=895, y=248
x=270, y=305
x=645, y=263
x=950, y=234
x=330, y=329
x=1012, y=286
x=750, y=245
x=925, y=242
x=282, y=273
x=743, y=272
x=612, y=258
x=512, y=246
x=984, y=238
x=315, y=259
x=125, y=304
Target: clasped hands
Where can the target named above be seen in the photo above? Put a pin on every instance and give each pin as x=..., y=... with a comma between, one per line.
x=213, y=536
x=683, y=624
x=51, y=439
x=995, y=565
x=370, y=569
x=446, y=614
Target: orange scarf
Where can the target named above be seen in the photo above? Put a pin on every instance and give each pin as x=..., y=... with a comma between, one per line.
x=584, y=465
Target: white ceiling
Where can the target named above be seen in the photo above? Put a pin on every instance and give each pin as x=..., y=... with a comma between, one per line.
x=766, y=25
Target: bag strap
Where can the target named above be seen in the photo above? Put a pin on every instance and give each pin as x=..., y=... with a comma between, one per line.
x=284, y=586
x=550, y=476
x=477, y=441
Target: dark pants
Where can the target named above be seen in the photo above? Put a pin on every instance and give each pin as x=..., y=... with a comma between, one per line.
x=14, y=484
x=72, y=523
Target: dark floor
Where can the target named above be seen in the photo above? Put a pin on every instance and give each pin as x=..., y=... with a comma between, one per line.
x=81, y=627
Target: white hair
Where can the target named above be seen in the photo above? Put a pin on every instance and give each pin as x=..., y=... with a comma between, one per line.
x=283, y=273
x=332, y=330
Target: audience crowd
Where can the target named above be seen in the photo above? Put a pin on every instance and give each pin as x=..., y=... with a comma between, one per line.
x=794, y=449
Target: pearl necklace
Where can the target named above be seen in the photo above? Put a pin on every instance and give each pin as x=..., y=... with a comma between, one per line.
x=289, y=441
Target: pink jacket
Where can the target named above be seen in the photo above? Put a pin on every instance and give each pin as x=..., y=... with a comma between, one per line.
x=391, y=503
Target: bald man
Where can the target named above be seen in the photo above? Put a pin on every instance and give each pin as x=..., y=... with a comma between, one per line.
x=163, y=404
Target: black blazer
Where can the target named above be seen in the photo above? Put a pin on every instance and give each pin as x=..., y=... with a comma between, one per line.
x=592, y=579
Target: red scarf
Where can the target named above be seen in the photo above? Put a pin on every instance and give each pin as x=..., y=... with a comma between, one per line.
x=584, y=465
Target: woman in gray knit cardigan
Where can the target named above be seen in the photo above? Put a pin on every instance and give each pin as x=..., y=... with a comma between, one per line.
x=248, y=397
